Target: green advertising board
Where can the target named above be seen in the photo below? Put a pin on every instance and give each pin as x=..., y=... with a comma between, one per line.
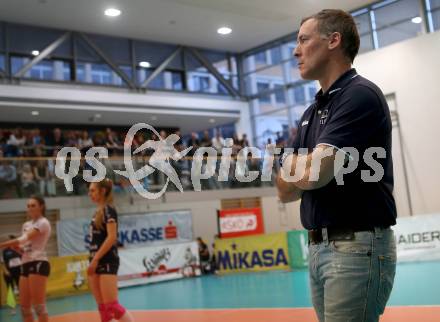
x=298, y=248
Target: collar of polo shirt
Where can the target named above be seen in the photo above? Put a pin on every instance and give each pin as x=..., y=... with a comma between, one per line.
x=339, y=84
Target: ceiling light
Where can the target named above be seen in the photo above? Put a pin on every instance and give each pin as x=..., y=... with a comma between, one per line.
x=98, y=116
x=154, y=118
x=145, y=64
x=416, y=20
x=35, y=52
x=35, y=113
x=224, y=30
x=211, y=120
x=112, y=12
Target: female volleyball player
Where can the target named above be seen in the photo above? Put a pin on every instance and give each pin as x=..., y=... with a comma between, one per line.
x=35, y=267
x=104, y=259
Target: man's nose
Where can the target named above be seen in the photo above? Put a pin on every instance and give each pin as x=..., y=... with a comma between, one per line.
x=296, y=51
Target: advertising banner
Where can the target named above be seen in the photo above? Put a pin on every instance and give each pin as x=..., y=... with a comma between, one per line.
x=298, y=248
x=418, y=238
x=137, y=230
x=240, y=222
x=68, y=275
x=252, y=254
x=158, y=263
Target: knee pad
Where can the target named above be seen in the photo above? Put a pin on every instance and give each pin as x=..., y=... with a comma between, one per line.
x=105, y=316
x=40, y=309
x=26, y=311
x=114, y=309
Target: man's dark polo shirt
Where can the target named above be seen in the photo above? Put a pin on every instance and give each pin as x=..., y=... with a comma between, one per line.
x=352, y=113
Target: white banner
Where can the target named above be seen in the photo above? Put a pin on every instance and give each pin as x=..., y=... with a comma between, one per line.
x=134, y=230
x=418, y=238
x=158, y=263
x=238, y=223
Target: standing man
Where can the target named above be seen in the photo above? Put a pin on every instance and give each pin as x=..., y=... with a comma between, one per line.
x=351, y=246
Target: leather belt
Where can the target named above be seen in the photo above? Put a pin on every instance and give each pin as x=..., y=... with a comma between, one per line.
x=316, y=236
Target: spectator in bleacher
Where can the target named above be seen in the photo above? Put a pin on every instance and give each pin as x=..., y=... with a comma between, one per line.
x=15, y=143
x=206, y=140
x=279, y=141
x=54, y=140
x=8, y=177
x=244, y=140
x=194, y=142
x=163, y=134
x=36, y=139
x=179, y=145
x=99, y=139
x=236, y=140
x=39, y=169
x=218, y=142
x=51, y=183
x=71, y=139
x=2, y=140
x=111, y=141
x=27, y=177
x=236, y=147
x=84, y=142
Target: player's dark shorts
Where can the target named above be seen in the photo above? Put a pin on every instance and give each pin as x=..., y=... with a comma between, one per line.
x=37, y=267
x=107, y=269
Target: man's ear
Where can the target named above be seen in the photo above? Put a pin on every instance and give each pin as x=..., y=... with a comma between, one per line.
x=334, y=40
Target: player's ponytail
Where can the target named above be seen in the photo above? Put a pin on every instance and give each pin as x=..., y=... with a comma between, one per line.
x=105, y=185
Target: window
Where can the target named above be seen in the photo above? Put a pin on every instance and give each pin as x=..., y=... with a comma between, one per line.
x=435, y=4
x=2, y=62
x=262, y=87
x=67, y=72
x=267, y=126
x=280, y=95
x=363, y=24
x=393, y=21
x=299, y=95
x=275, y=54
x=97, y=74
x=44, y=70
x=127, y=70
x=433, y=7
x=312, y=93
x=221, y=89
x=200, y=83
x=101, y=74
x=436, y=19
x=177, y=81
x=2, y=37
x=271, y=73
x=260, y=58
x=158, y=82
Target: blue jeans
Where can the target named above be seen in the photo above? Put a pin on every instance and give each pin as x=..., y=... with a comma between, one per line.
x=351, y=280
